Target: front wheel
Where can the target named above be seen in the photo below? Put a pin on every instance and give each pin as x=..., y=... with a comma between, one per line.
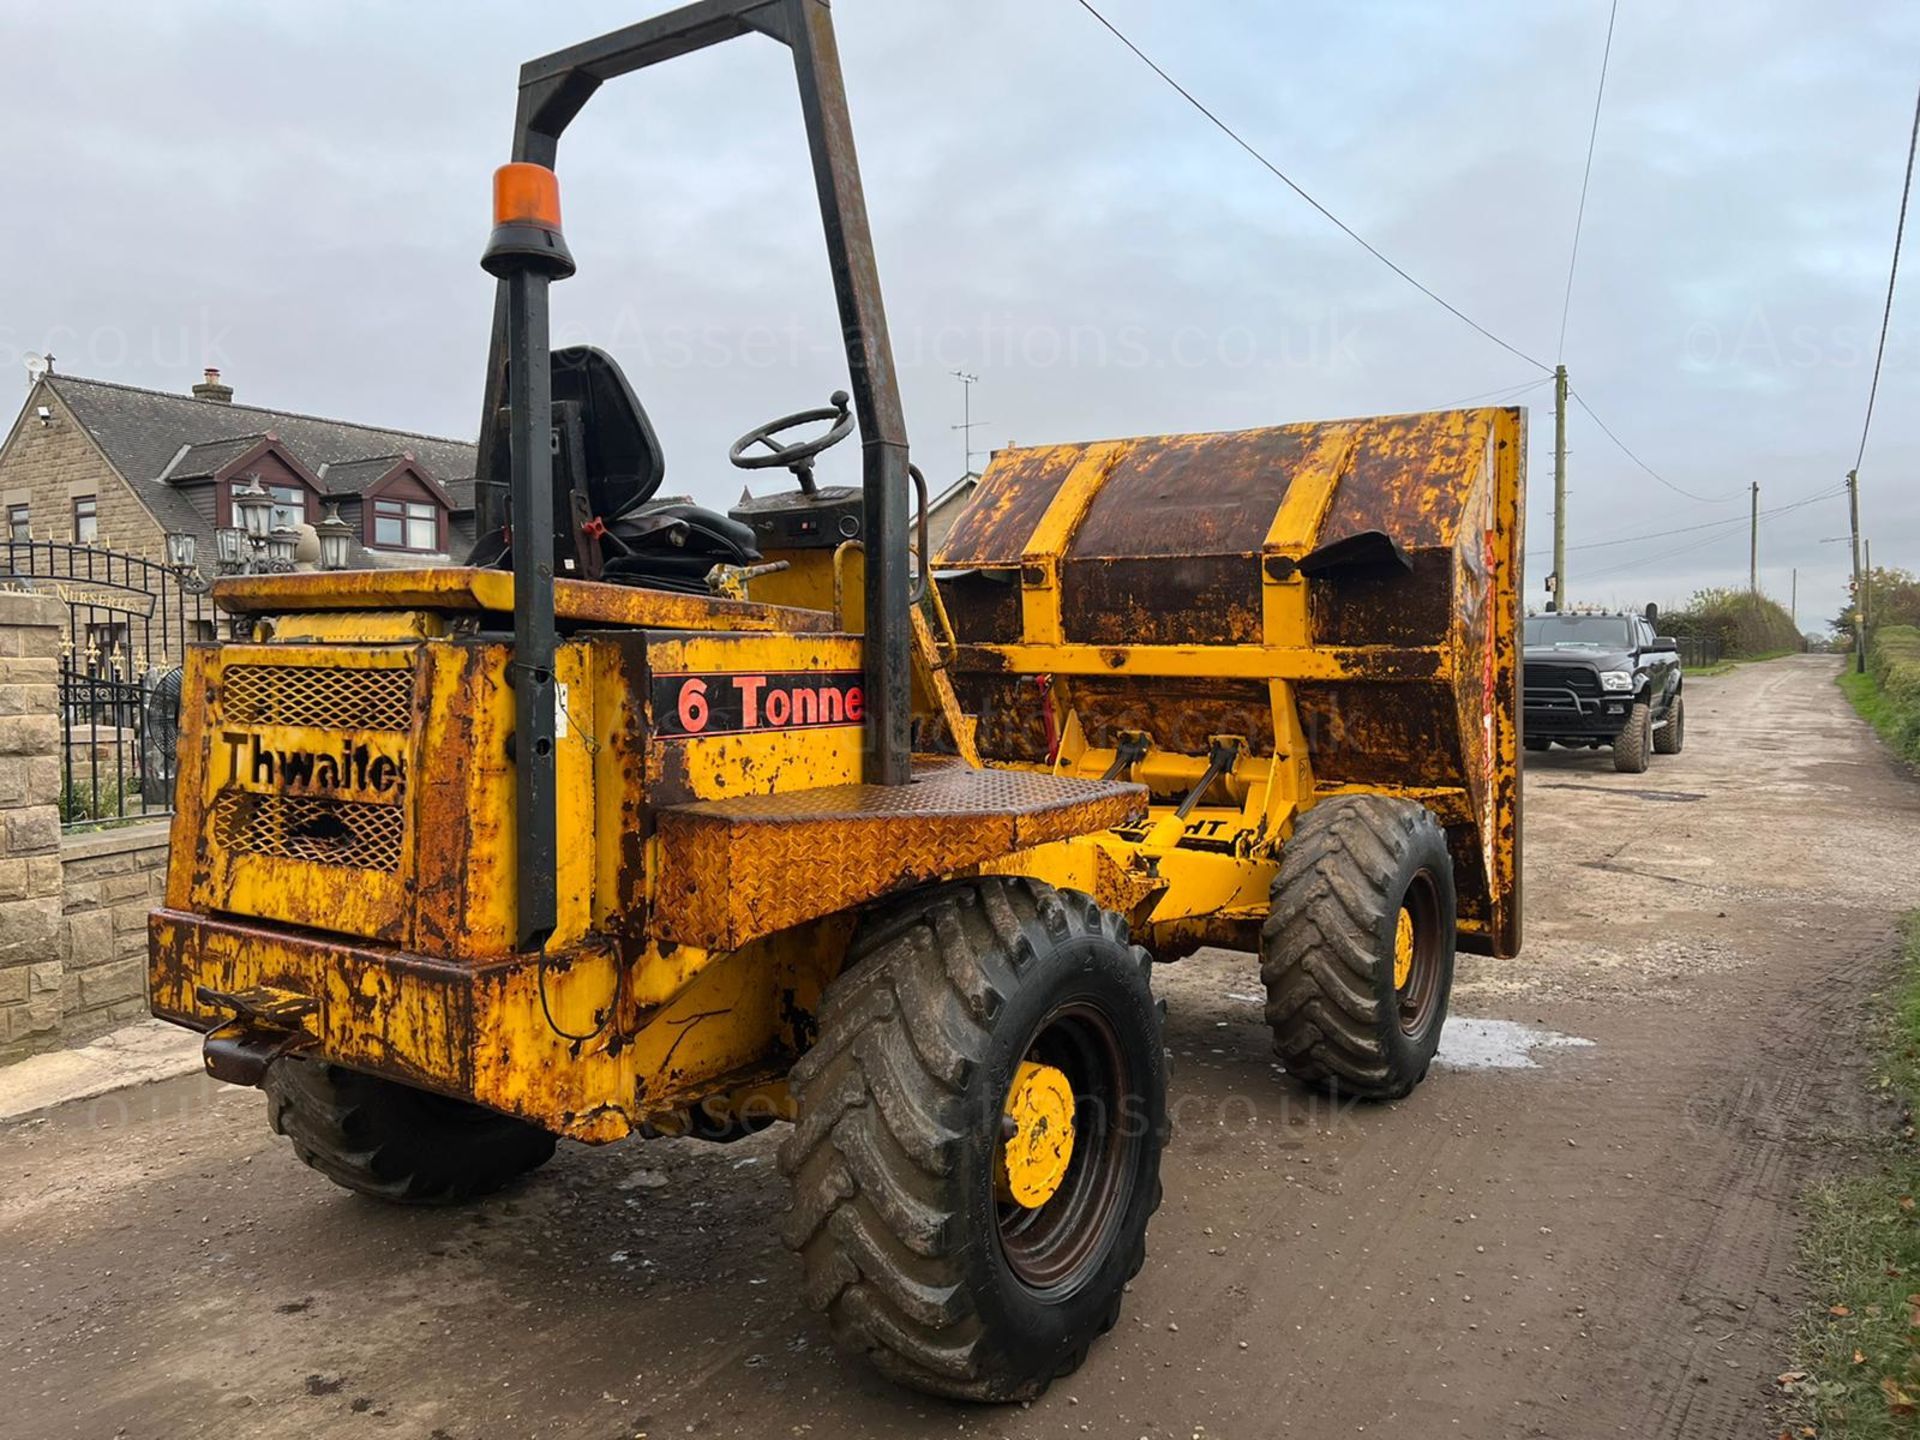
x=976, y=1152
x=1357, y=949
x=1633, y=746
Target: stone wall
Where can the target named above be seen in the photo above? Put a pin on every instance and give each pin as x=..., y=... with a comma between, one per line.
x=73, y=910
x=30, y=880
x=110, y=880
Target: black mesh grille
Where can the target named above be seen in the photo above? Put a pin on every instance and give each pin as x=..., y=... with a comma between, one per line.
x=323, y=696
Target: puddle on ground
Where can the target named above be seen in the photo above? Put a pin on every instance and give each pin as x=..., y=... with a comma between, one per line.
x=1498, y=1044
x=1468, y=1044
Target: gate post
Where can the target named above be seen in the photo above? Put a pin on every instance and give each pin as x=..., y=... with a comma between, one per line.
x=30, y=877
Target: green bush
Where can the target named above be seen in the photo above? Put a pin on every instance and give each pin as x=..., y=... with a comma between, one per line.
x=1746, y=625
x=1893, y=660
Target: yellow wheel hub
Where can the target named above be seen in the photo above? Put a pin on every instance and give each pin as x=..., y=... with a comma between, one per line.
x=1403, y=949
x=1039, y=1136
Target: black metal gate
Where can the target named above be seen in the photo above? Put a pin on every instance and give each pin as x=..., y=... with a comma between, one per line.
x=129, y=621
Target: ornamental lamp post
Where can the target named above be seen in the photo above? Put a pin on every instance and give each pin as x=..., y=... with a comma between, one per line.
x=334, y=535
x=254, y=507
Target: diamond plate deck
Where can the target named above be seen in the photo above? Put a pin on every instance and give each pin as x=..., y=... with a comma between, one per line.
x=734, y=870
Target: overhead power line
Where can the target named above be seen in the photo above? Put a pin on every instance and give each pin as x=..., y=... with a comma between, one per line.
x=1727, y=525
x=1893, y=274
x=1606, y=430
x=1289, y=182
x=1725, y=530
x=1593, y=134
x=1502, y=395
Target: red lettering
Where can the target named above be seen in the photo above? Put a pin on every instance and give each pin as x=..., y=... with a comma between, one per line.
x=749, y=687
x=806, y=706
x=833, y=705
x=693, y=706
x=856, y=702
x=778, y=708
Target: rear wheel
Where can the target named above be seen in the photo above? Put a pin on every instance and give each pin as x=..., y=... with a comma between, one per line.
x=1633, y=746
x=393, y=1142
x=977, y=1147
x=1668, y=739
x=1540, y=743
x=1357, y=952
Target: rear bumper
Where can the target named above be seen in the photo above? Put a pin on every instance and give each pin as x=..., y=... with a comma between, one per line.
x=436, y=1024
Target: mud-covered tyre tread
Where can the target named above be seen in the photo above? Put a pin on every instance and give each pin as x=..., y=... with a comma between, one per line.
x=1319, y=947
x=395, y=1143
x=873, y=1154
x=1672, y=736
x=1632, y=746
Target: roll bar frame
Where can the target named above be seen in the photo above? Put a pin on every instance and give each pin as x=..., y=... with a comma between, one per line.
x=553, y=90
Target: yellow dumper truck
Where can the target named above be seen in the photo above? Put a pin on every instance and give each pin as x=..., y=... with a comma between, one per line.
x=655, y=820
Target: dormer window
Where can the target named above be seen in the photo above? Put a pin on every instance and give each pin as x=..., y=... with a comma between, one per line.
x=406, y=524
x=289, y=503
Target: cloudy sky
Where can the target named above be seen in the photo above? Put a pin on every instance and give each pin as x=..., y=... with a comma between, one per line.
x=298, y=194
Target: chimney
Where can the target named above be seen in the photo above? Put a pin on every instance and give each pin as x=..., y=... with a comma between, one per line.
x=210, y=388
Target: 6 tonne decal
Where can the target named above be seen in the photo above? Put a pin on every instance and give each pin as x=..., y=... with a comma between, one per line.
x=738, y=702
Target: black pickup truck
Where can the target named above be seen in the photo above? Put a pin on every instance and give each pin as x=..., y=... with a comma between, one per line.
x=1593, y=680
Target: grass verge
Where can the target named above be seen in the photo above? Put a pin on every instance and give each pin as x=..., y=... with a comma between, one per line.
x=1857, y=1371
x=1866, y=696
x=1888, y=695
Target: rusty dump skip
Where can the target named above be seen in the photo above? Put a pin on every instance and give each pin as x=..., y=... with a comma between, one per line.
x=1364, y=574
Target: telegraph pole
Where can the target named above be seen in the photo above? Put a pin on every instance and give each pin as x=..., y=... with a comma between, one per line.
x=1859, y=590
x=1753, y=545
x=1559, y=487
x=1793, y=609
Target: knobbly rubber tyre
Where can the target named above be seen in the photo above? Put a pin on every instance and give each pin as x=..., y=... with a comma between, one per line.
x=1633, y=746
x=393, y=1142
x=904, y=1243
x=1340, y=1021
x=1670, y=737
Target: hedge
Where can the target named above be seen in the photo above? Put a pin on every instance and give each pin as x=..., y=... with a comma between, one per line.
x=1893, y=660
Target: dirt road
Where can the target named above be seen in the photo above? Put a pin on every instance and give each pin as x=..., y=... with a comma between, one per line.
x=1599, y=1245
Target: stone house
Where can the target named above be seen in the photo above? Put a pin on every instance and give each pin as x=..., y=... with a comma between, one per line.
x=93, y=462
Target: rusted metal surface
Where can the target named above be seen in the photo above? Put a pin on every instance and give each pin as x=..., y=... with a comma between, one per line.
x=492, y=1032
x=734, y=870
x=459, y=589
x=1407, y=478
x=1006, y=506
x=1341, y=596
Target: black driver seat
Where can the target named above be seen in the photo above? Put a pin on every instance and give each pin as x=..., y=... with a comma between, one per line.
x=606, y=454
x=673, y=546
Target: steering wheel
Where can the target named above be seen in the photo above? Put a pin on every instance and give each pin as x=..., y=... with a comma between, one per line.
x=799, y=456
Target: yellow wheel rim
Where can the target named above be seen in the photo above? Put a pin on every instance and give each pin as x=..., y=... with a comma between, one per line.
x=1403, y=949
x=1039, y=1136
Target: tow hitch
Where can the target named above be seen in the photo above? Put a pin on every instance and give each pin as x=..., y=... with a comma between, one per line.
x=267, y=1023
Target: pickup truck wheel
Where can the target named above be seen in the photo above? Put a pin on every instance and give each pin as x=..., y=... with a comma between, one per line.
x=1634, y=744
x=1668, y=739
x=1537, y=745
x=390, y=1141
x=1357, y=951
x=976, y=1150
